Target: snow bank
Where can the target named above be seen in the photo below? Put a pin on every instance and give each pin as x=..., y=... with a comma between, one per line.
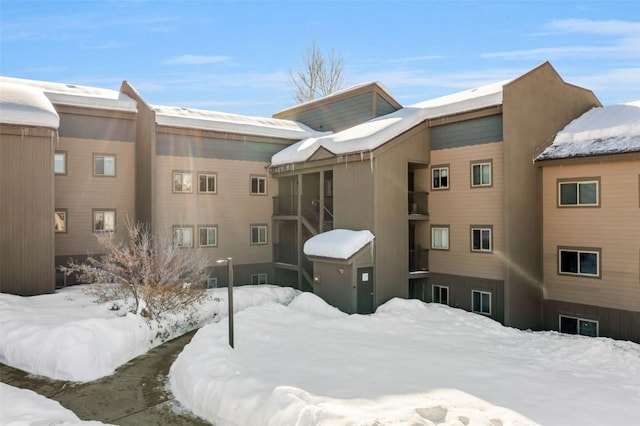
x=79, y=340
x=26, y=106
x=409, y=363
x=337, y=243
x=24, y=407
x=612, y=129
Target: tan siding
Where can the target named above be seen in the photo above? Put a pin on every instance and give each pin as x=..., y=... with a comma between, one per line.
x=80, y=192
x=614, y=227
x=232, y=208
x=462, y=206
x=26, y=229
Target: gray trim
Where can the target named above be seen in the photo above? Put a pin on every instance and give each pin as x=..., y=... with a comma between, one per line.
x=200, y=147
x=96, y=128
x=469, y=132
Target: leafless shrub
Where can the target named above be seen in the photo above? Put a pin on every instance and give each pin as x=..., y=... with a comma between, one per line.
x=151, y=275
x=319, y=75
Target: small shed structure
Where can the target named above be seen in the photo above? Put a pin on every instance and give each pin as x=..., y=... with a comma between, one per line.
x=343, y=269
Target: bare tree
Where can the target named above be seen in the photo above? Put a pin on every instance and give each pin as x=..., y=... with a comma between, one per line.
x=152, y=274
x=318, y=76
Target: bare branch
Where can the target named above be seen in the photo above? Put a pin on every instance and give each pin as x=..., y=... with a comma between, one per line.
x=318, y=76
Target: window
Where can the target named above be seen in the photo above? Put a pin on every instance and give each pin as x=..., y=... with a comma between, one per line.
x=257, y=279
x=582, y=193
x=583, y=327
x=440, y=177
x=440, y=237
x=182, y=182
x=104, y=220
x=481, y=239
x=258, y=234
x=183, y=236
x=60, y=220
x=481, y=302
x=440, y=294
x=104, y=165
x=60, y=163
x=258, y=185
x=208, y=236
x=481, y=173
x=207, y=183
x=212, y=283
x=579, y=262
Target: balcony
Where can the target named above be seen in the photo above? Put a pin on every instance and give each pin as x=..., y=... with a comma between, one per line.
x=285, y=206
x=418, y=204
x=419, y=260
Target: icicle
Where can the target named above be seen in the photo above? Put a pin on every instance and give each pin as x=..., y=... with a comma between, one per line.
x=371, y=160
x=361, y=156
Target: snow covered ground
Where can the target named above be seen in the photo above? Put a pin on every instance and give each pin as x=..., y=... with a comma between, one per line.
x=299, y=361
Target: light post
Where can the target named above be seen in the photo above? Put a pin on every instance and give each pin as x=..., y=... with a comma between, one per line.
x=229, y=262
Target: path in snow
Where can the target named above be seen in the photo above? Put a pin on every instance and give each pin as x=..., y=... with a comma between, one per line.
x=134, y=395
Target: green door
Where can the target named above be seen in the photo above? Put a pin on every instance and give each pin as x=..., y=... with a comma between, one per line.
x=365, y=290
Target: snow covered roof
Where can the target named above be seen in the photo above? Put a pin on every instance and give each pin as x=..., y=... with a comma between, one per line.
x=613, y=129
x=337, y=243
x=232, y=123
x=81, y=96
x=26, y=106
x=374, y=133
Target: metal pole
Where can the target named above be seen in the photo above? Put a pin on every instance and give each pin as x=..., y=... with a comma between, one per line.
x=230, y=298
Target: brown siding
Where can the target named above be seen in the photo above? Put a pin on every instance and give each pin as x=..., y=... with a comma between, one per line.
x=353, y=196
x=26, y=208
x=80, y=192
x=613, y=227
x=232, y=208
x=390, y=206
x=462, y=206
x=535, y=107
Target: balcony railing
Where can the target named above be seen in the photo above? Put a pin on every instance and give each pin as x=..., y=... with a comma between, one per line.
x=418, y=260
x=285, y=253
x=285, y=206
x=418, y=203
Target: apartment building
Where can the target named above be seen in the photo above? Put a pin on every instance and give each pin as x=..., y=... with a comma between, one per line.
x=112, y=158
x=447, y=187
x=591, y=230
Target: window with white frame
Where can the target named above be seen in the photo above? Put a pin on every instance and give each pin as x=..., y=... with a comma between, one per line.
x=481, y=302
x=258, y=185
x=440, y=177
x=578, y=193
x=440, y=294
x=579, y=261
x=60, y=163
x=440, y=237
x=208, y=236
x=182, y=181
x=481, y=238
x=104, y=220
x=212, y=283
x=257, y=279
x=258, y=234
x=60, y=220
x=581, y=326
x=104, y=165
x=207, y=183
x=481, y=173
x=183, y=236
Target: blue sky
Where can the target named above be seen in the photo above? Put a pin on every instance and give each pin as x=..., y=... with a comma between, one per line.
x=235, y=56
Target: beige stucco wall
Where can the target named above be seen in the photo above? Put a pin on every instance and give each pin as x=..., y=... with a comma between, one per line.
x=461, y=206
x=233, y=209
x=614, y=227
x=79, y=191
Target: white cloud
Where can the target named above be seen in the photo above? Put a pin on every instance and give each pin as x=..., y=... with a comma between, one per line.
x=189, y=59
x=588, y=26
